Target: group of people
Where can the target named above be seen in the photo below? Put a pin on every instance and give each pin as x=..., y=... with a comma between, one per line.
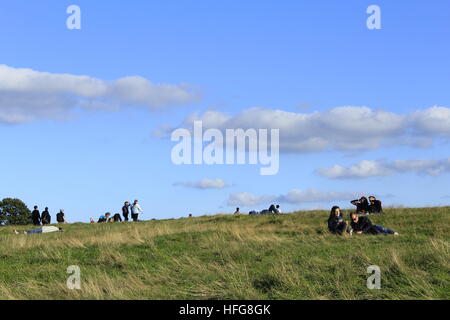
x=273, y=209
x=127, y=209
x=371, y=206
x=359, y=223
x=45, y=218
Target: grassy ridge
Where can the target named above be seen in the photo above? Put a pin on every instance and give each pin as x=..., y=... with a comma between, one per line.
x=225, y=257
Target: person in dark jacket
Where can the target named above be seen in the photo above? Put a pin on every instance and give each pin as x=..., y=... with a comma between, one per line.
x=375, y=206
x=126, y=210
x=117, y=218
x=275, y=209
x=60, y=216
x=36, y=216
x=362, y=205
x=336, y=223
x=364, y=225
x=45, y=217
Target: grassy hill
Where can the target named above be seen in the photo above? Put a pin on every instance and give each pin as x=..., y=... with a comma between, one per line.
x=288, y=256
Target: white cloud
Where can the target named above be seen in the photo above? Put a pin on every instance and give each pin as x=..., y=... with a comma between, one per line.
x=204, y=184
x=432, y=121
x=294, y=196
x=366, y=168
x=246, y=199
x=312, y=195
x=28, y=95
x=343, y=128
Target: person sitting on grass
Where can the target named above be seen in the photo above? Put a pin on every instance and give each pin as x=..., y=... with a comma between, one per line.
x=44, y=229
x=362, y=205
x=375, y=206
x=104, y=218
x=274, y=209
x=364, y=225
x=336, y=223
x=237, y=212
x=60, y=217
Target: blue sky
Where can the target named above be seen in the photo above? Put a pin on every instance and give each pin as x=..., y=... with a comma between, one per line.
x=294, y=57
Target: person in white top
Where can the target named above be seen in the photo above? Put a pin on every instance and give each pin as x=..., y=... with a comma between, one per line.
x=45, y=229
x=136, y=210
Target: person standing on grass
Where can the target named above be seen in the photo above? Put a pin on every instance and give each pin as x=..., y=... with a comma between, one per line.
x=364, y=225
x=126, y=210
x=136, y=210
x=45, y=217
x=336, y=223
x=36, y=216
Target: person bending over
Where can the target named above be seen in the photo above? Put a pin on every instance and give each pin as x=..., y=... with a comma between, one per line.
x=364, y=225
x=117, y=218
x=274, y=209
x=336, y=223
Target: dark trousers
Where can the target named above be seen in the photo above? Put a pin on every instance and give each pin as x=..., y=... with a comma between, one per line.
x=134, y=216
x=125, y=216
x=341, y=228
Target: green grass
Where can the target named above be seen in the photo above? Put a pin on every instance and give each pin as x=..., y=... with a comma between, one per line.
x=288, y=256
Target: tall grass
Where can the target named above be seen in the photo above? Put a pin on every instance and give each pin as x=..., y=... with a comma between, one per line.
x=288, y=256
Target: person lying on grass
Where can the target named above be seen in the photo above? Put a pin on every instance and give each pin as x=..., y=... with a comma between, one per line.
x=45, y=229
x=362, y=224
x=336, y=223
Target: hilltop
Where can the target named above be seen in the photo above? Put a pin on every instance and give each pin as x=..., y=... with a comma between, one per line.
x=289, y=256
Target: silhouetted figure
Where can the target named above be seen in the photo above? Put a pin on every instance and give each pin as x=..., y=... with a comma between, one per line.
x=45, y=217
x=60, y=218
x=126, y=210
x=274, y=209
x=36, y=216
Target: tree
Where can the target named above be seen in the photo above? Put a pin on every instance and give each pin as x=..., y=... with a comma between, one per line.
x=14, y=212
